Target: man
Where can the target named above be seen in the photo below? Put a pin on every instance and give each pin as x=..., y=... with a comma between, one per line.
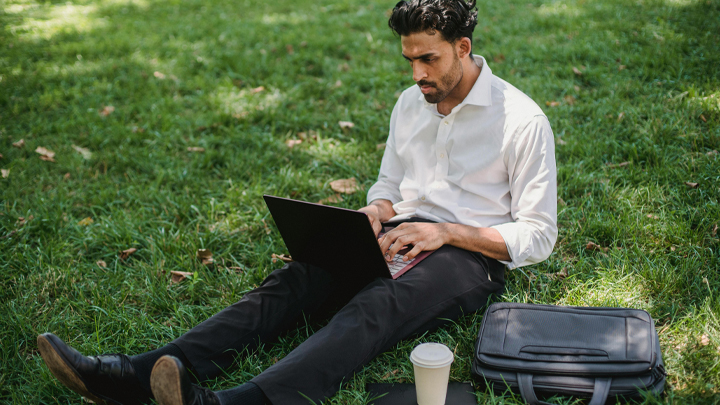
x=469, y=167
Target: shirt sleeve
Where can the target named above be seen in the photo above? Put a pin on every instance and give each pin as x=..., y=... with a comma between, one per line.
x=533, y=188
x=392, y=172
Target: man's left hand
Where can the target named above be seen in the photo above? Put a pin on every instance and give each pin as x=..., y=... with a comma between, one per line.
x=422, y=235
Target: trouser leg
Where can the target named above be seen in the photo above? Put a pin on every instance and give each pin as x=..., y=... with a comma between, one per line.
x=449, y=283
x=260, y=316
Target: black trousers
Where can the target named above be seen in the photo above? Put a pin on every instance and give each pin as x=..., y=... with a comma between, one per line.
x=374, y=316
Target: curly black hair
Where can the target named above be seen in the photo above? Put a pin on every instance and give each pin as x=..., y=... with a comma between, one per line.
x=455, y=19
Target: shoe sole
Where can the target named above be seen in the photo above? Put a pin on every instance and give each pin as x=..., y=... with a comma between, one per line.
x=165, y=382
x=67, y=375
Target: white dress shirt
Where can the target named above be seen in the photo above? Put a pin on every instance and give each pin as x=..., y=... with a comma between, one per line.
x=489, y=163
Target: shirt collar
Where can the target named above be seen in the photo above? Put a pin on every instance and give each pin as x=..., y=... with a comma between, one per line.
x=481, y=92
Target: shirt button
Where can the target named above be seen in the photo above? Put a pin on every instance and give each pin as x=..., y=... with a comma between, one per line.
x=447, y=123
x=422, y=198
x=442, y=155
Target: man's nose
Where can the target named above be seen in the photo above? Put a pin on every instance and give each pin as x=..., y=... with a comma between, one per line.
x=418, y=72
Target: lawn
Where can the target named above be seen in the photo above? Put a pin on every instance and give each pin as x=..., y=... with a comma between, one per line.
x=169, y=120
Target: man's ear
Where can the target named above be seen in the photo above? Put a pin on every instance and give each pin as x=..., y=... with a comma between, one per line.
x=463, y=47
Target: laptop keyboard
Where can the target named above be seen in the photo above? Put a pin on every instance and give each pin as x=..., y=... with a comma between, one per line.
x=398, y=264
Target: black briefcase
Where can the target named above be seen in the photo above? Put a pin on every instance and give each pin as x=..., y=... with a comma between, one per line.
x=607, y=354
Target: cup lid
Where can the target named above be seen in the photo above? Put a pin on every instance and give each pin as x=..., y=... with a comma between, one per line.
x=431, y=355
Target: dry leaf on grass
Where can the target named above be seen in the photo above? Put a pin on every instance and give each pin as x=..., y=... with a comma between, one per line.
x=5, y=173
x=178, y=276
x=345, y=186
x=159, y=75
x=651, y=216
x=66, y=176
x=346, y=124
x=499, y=58
x=286, y=259
x=338, y=84
x=292, y=142
x=126, y=253
x=705, y=340
x=702, y=117
x=1, y=156
x=289, y=49
x=616, y=165
x=380, y=146
x=196, y=149
x=561, y=141
x=85, y=221
x=107, y=110
x=390, y=374
x=691, y=185
x=21, y=221
x=101, y=263
x=620, y=116
x=569, y=99
x=577, y=71
x=267, y=228
x=45, y=154
x=560, y=275
x=19, y=144
x=335, y=198
x=712, y=152
x=592, y=246
x=257, y=89
x=714, y=230
x=86, y=154
x=205, y=257
x=552, y=103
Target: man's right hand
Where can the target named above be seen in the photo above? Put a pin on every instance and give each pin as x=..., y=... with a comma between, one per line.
x=378, y=212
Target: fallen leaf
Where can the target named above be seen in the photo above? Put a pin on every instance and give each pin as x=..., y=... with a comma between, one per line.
x=101, y=263
x=267, y=228
x=45, y=154
x=126, y=253
x=292, y=142
x=620, y=116
x=205, y=257
x=19, y=144
x=712, y=152
x=560, y=275
x=561, y=141
x=86, y=154
x=613, y=165
x=107, y=110
x=390, y=374
x=714, y=230
x=577, y=71
x=303, y=44
x=289, y=49
x=552, y=103
x=705, y=340
x=197, y=149
x=345, y=186
x=338, y=84
x=561, y=202
x=702, y=117
x=1, y=156
x=335, y=198
x=286, y=259
x=66, y=176
x=346, y=124
x=621, y=68
x=672, y=248
x=178, y=276
x=344, y=67
x=257, y=90
x=5, y=173
x=380, y=146
x=592, y=246
x=85, y=221
x=302, y=135
x=651, y=216
x=500, y=58
x=691, y=185
x=159, y=75
x=569, y=99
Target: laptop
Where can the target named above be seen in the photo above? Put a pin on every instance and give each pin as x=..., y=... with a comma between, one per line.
x=335, y=239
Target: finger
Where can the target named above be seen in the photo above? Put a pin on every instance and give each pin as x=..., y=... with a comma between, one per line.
x=413, y=252
x=396, y=246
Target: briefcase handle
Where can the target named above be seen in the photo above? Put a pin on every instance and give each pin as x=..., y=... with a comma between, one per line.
x=527, y=391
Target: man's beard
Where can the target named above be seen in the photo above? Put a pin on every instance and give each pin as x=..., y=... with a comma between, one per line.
x=448, y=82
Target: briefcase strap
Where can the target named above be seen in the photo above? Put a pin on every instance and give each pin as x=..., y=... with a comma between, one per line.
x=527, y=391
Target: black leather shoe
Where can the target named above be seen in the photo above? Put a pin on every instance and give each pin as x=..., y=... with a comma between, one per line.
x=171, y=385
x=106, y=379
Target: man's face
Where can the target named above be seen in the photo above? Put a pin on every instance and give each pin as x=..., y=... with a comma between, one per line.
x=435, y=64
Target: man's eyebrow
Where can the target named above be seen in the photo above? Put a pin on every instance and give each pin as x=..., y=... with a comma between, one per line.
x=423, y=56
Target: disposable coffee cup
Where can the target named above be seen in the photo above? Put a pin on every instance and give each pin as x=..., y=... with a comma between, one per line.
x=431, y=362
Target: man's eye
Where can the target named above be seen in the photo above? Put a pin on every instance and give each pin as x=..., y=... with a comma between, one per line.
x=428, y=60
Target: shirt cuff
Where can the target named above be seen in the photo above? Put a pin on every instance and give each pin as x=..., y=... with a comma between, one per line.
x=518, y=241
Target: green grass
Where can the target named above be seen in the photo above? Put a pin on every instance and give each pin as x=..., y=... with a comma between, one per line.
x=649, y=94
